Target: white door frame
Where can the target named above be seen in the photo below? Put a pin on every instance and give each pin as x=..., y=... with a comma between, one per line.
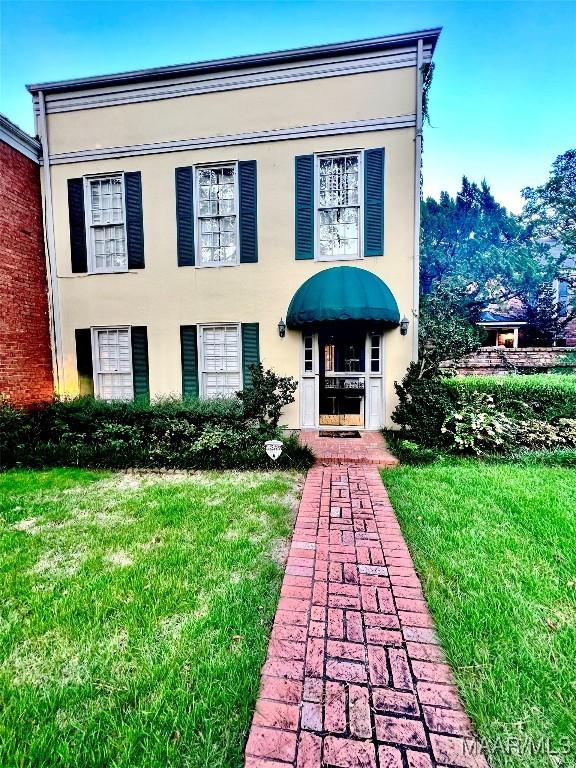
x=374, y=412
x=309, y=382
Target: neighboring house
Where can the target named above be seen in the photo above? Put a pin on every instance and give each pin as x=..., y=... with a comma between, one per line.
x=501, y=330
x=206, y=216
x=25, y=355
x=511, y=329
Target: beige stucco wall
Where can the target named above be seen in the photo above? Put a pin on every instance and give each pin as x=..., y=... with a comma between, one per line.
x=286, y=105
x=163, y=296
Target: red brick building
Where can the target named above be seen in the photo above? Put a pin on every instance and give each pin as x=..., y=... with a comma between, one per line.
x=25, y=355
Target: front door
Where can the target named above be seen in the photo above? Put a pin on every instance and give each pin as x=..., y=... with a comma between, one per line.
x=342, y=365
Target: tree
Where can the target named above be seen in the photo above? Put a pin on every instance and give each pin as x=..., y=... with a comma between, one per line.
x=550, y=210
x=474, y=241
x=446, y=330
x=545, y=323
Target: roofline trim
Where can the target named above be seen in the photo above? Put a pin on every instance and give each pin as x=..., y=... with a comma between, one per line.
x=501, y=323
x=18, y=139
x=241, y=62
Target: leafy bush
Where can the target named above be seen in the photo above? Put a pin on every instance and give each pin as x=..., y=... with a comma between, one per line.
x=483, y=414
x=423, y=405
x=171, y=433
x=477, y=427
x=267, y=396
x=542, y=396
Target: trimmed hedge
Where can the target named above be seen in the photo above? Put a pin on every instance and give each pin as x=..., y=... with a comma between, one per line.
x=544, y=396
x=170, y=433
x=426, y=404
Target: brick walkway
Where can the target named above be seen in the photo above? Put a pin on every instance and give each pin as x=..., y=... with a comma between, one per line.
x=354, y=676
x=369, y=448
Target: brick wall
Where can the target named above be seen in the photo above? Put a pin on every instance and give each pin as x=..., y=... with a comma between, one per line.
x=570, y=334
x=488, y=361
x=25, y=357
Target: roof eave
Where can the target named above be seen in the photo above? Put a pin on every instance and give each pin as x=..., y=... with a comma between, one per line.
x=240, y=62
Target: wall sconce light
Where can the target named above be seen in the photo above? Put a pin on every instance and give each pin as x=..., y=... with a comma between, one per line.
x=281, y=328
x=404, y=326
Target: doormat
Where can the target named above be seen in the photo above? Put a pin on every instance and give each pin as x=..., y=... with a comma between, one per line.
x=346, y=433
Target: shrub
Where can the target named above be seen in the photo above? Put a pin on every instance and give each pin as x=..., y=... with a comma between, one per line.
x=532, y=403
x=171, y=433
x=267, y=396
x=477, y=427
x=423, y=405
x=543, y=396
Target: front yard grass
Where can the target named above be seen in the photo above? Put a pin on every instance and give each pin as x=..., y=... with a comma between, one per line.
x=495, y=547
x=134, y=614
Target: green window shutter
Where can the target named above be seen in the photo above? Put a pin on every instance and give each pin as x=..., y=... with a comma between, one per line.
x=248, y=214
x=189, y=357
x=139, y=336
x=374, y=202
x=84, y=361
x=185, y=216
x=134, y=222
x=305, y=207
x=78, y=253
x=250, y=351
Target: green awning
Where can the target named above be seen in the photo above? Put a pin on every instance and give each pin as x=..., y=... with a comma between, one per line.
x=343, y=293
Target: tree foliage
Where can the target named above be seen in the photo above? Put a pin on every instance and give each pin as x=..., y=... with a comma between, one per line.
x=446, y=328
x=550, y=210
x=474, y=241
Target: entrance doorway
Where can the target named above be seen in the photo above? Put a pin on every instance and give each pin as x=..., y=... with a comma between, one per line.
x=341, y=385
x=342, y=365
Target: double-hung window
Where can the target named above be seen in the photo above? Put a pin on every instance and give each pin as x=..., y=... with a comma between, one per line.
x=220, y=360
x=217, y=215
x=106, y=223
x=338, y=206
x=112, y=363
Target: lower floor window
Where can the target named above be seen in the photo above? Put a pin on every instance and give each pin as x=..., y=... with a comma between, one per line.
x=220, y=360
x=112, y=363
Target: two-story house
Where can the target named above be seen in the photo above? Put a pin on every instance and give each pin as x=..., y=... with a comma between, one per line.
x=205, y=216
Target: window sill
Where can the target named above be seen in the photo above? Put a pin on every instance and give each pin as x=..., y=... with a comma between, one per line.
x=216, y=266
x=112, y=272
x=338, y=258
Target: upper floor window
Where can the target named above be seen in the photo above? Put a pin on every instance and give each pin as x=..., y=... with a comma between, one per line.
x=112, y=361
x=339, y=206
x=217, y=215
x=106, y=224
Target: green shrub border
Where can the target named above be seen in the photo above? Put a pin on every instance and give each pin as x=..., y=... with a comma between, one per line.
x=426, y=403
x=168, y=433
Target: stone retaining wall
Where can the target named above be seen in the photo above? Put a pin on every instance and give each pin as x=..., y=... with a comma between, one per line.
x=489, y=361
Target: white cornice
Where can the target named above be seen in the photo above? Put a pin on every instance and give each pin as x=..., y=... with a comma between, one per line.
x=15, y=137
x=107, y=95
x=254, y=137
x=406, y=40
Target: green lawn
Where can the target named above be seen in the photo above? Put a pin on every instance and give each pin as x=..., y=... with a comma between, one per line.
x=495, y=546
x=134, y=615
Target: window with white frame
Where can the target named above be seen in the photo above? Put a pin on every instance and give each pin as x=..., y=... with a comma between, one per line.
x=112, y=362
x=339, y=206
x=308, y=354
x=217, y=215
x=220, y=360
x=106, y=223
x=375, y=354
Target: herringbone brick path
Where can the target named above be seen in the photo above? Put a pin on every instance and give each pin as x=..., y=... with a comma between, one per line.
x=355, y=677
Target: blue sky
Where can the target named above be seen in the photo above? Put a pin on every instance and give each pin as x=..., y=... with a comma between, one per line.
x=503, y=101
